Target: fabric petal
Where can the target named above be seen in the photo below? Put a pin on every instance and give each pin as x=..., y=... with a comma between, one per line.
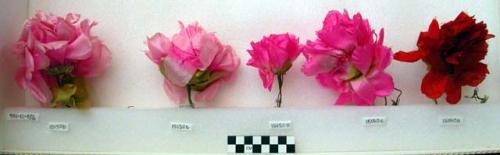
x=453, y=92
x=209, y=47
x=434, y=84
x=267, y=79
x=175, y=93
x=209, y=93
x=362, y=58
x=363, y=92
x=38, y=88
x=96, y=64
x=225, y=61
x=177, y=72
x=79, y=49
x=158, y=45
x=318, y=64
x=344, y=99
x=65, y=30
x=383, y=83
x=410, y=56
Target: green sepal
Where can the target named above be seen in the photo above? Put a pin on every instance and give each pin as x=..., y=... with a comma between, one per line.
x=64, y=95
x=162, y=67
x=285, y=68
x=202, y=79
x=59, y=70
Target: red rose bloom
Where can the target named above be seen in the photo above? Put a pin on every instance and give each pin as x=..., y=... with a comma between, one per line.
x=453, y=54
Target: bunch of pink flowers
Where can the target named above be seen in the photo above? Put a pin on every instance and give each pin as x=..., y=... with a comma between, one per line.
x=57, y=54
x=193, y=60
x=347, y=58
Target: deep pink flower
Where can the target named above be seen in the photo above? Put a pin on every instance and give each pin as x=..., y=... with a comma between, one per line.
x=192, y=60
x=273, y=56
x=50, y=42
x=347, y=59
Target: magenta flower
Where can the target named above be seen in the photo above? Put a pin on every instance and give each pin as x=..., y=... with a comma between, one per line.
x=192, y=60
x=347, y=59
x=57, y=54
x=273, y=56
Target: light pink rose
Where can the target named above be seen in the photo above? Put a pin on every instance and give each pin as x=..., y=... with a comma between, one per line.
x=50, y=41
x=192, y=60
x=347, y=59
x=273, y=56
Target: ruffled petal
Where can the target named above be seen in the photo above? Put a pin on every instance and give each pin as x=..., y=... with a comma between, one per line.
x=96, y=64
x=225, y=61
x=267, y=79
x=80, y=49
x=474, y=75
x=65, y=30
x=158, y=45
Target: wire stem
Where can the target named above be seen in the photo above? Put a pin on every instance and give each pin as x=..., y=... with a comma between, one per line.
x=188, y=88
x=280, y=85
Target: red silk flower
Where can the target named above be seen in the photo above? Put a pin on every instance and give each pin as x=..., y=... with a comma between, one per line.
x=453, y=54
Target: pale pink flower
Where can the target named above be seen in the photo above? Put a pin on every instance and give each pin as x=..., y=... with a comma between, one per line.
x=347, y=59
x=273, y=56
x=49, y=41
x=192, y=60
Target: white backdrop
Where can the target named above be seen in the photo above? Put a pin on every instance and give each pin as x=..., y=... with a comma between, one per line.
x=133, y=80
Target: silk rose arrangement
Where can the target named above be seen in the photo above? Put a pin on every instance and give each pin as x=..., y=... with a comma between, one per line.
x=192, y=60
x=349, y=58
x=453, y=54
x=57, y=55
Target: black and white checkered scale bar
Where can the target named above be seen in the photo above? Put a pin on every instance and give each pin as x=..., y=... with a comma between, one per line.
x=261, y=144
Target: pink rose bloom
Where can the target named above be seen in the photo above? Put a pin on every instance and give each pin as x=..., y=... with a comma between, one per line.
x=192, y=60
x=347, y=59
x=273, y=55
x=53, y=47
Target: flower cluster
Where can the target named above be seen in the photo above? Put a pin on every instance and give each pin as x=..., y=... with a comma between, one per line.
x=57, y=55
x=347, y=59
x=453, y=54
x=192, y=60
x=273, y=55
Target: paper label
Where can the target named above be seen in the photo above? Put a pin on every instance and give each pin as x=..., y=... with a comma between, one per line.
x=280, y=124
x=451, y=120
x=59, y=126
x=23, y=116
x=180, y=126
x=374, y=121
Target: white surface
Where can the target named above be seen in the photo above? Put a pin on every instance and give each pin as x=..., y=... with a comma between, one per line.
x=319, y=128
x=12, y=14
x=134, y=80
x=316, y=130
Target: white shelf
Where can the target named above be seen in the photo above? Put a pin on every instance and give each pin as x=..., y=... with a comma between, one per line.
x=335, y=129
